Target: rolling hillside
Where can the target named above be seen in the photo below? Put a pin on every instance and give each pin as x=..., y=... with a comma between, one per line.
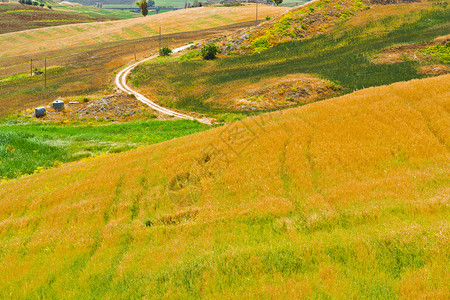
x=18, y=17
x=62, y=37
x=339, y=50
x=344, y=198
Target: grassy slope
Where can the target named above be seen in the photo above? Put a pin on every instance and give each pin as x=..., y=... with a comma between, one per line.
x=61, y=37
x=342, y=198
x=95, y=12
x=341, y=55
x=25, y=148
x=18, y=17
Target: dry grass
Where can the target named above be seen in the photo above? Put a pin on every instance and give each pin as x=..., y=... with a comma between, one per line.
x=242, y=95
x=61, y=37
x=276, y=93
x=346, y=197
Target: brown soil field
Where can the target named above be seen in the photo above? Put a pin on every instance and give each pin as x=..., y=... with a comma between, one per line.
x=83, y=70
x=18, y=17
x=67, y=36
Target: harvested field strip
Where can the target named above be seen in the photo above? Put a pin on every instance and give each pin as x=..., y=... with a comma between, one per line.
x=98, y=40
x=170, y=23
x=44, y=33
x=15, y=19
x=92, y=67
x=222, y=18
x=148, y=29
x=26, y=36
x=116, y=37
x=63, y=21
x=77, y=28
x=131, y=33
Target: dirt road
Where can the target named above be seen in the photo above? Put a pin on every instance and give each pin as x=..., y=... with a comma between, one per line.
x=121, y=83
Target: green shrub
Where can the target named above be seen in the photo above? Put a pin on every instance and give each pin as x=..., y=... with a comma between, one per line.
x=268, y=18
x=442, y=53
x=191, y=55
x=232, y=4
x=209, y=51
x=165, y=51
x=260, y=44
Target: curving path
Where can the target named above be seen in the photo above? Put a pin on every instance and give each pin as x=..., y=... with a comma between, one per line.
x=121, y=83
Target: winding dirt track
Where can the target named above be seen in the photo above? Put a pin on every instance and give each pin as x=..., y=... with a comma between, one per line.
x=121, y=83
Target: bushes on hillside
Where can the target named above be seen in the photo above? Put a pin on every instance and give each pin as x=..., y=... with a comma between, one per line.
x=26, y=2
x=209, y=51
x=276, y=2
x=260, y=44
x=442, y=53
x=165, y=51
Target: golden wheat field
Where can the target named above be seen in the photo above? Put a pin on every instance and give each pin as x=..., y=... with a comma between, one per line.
x=348, y=197
x=66, y=36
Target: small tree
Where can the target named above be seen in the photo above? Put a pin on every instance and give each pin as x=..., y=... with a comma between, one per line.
x=209, y=51
x=165, y=51
x=143, y=5
x=277, y=2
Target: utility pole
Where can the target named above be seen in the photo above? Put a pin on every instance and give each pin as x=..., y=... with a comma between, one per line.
x=256, y=12
x=31, y=67
x=45, y=73
x=159, y=38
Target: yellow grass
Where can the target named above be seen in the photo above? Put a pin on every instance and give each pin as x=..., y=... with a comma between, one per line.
x=342, y=198
x=65, y=36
